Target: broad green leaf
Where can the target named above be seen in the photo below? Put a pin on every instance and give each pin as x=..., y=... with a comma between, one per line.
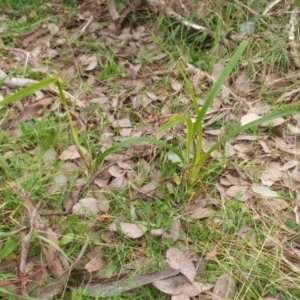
x=218, y=84
x=28, y=91
x=270, y=117
x=8, y=248
x=171, y=123
x=110, y=269
x=66, y=239
x=130, y=141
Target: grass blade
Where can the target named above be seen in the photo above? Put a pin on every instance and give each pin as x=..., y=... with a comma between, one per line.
x=270, y=117
x=130, y=141
x=218, y=84
x=189, y=138
x=28, y=91
x=171, y=123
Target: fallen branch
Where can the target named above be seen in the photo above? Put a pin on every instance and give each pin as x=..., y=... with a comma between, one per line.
x=25, y=242
x=293, y=44
x=171, y=13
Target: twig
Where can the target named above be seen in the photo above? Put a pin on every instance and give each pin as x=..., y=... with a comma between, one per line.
x=293, y=44
x=56, y=286
x=28, y=276
x=270, y=6
x=171, y=13
x=59, y=262
x=82, y=30
x=25, y=242
x=112, y=10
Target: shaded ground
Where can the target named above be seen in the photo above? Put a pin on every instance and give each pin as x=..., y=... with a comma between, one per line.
x=74, y=226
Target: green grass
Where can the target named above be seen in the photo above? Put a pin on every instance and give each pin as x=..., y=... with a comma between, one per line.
x=257, y=267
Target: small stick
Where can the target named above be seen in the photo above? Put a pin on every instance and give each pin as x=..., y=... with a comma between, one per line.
x=270, y=6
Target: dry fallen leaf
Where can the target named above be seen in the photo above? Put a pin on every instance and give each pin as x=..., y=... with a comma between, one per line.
x=271, y=175
x=199, y=213
x=174, y=229
x=88, y=207
x=133, y=231
x=243, y=83
x=53, y=28
x=180, y=297
x=28, y=38
x=179, y=260
x=249, y=118
x=96, y=262
x=121, y=123
x=34, y=110
x=72, y=153
x=180, y=285
x=57, y=184
x=89, y=62
x=116, y=171
x=263, y=190
x=224, y=288
x=176, y=86
x=242, y=193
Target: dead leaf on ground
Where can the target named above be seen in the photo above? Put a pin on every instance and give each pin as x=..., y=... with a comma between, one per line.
x=263, y=190
x=199, y=213
x=88, y=62
x=217, y=70
x=249, y=118
x=243, y=83
x=180, y=285
x=72, y=153
x=88, y=207
x=294, y=129
x=28, y=38
x=180, y=297
x=34, y=110
x=96, y=261
x=274, y=205
x=271, y=175
x=131, y=230
x=58, y=183
x=118, y=182
x=159, y=232
x=275, y=81
x=176, y=86
x=178, y=260
x=224, y=288
x=129, y=283
x=49, y=156
x=241, y=193
x=121, y=123
x=175, y=229
x=53, y=28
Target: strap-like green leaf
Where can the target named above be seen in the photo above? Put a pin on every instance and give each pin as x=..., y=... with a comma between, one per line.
x=118, y=146
x=28, y=91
